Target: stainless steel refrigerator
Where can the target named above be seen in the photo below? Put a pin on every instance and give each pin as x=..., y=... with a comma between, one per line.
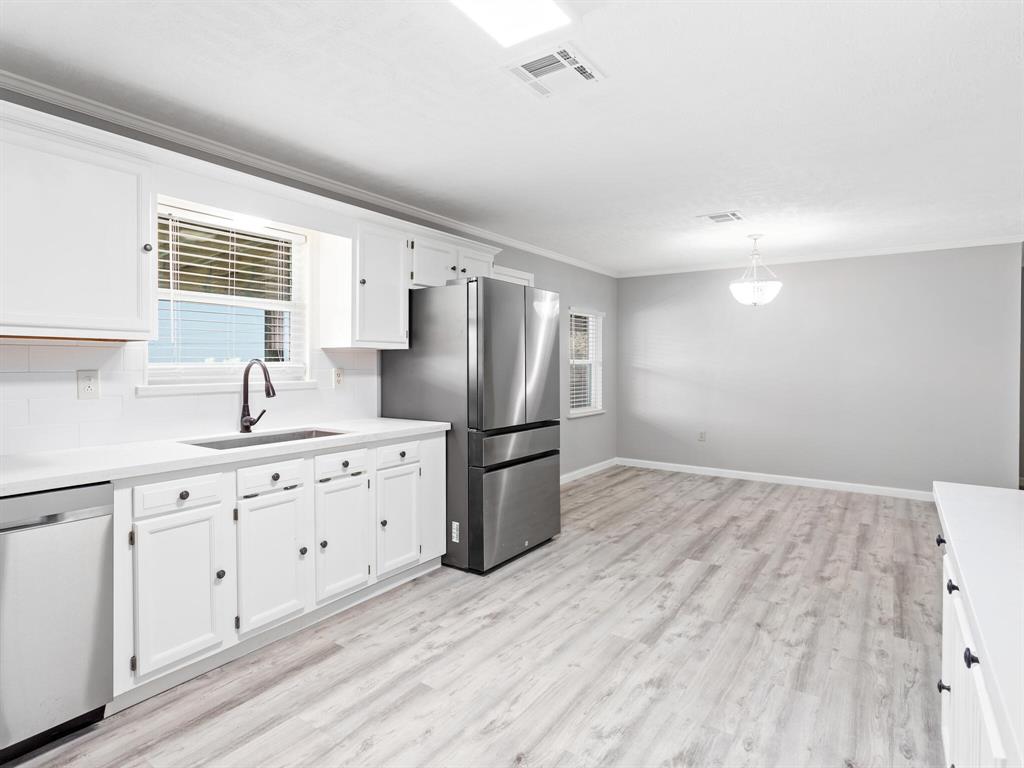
x=483, y=355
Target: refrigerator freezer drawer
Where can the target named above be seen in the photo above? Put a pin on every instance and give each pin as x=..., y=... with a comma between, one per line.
x=512, y=510
x=487, y=450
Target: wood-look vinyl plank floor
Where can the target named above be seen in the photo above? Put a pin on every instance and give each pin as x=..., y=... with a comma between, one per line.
x=679, y=620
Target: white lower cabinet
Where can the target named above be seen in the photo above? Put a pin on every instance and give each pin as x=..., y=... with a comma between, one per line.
x=274, y=554
x=970, y=733
x=398, y=539
x=218, y=558
x=432, y=510
x=344, y=536
x=181, y=561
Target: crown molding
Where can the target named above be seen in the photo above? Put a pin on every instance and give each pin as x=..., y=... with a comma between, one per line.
x=11, y=83
x=1012, y=239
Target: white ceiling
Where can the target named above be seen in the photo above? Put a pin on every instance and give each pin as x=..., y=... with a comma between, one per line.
x=836, y=128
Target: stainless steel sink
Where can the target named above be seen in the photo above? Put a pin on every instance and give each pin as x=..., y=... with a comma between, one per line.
x=242, y=441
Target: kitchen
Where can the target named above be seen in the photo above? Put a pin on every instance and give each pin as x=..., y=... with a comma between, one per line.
x=320, y=475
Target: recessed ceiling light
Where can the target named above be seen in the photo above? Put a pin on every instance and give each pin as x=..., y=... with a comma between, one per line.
x=512, y=21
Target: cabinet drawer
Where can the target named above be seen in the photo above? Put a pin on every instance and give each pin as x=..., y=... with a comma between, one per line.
x=396, y=455
x=340, y=464
x=269, y=477
x=176, y=495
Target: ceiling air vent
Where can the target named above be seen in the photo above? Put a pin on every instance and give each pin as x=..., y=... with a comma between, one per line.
x=722, y=218
x=557, y=70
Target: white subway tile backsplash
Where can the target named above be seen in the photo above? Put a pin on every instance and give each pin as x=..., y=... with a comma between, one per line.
x=40, y=409
x=13, y=413
x=135, y=356
x=66, y=411
x=39, y=438
x=13, y=357
x=76, y=358
x=25, y=385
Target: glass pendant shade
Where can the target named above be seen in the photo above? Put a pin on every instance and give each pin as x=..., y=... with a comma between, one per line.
x=758, y=285
x=753, y=293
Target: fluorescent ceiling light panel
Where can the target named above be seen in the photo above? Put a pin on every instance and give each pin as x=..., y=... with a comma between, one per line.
x=512, y=21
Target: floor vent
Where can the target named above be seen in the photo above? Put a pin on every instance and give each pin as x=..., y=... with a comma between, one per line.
x=558, y=70
x=722, y=218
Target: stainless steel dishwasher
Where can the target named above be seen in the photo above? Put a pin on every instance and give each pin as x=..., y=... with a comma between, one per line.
x=56, y=613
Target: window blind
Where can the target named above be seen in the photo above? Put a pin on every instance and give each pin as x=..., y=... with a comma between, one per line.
x=225, y=296
x=585, y=374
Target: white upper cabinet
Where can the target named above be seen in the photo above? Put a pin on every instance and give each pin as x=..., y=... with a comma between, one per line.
x=382, y=299
x=77, y=241
x=434, y=262
x=364, y=289
x=475, y=263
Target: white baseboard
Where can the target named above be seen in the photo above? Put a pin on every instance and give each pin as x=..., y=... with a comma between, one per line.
x=576, y=474
x=763, y=477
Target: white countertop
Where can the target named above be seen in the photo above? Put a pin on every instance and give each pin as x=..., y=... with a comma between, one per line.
x=30, y=472
x=984, y=529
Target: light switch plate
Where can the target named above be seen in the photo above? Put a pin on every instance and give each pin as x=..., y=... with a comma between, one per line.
x=88, y=385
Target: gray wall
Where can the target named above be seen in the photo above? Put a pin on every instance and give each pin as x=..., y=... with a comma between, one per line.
x=589, y=439
x=894, y=370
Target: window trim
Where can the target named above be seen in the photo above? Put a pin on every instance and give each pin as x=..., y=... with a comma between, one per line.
x=597, y=363
x=199, y=378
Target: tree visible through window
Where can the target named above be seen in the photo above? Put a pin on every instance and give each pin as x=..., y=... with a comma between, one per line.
x=585, y=374
x=224, y=296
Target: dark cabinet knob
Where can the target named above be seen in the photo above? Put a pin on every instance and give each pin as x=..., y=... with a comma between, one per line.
x=939, y=541
x=970, y=658
x=951, y=587
x=221, y=573
x=344, y=464
x=401, y=454
x=276, y=476
x=362, y=281
x=183, y=495
x=454, y=268
x=303, y=550
x=943, y=687
x=383, y=523
x=323, y=544
x=462, y=270
x=147, y=247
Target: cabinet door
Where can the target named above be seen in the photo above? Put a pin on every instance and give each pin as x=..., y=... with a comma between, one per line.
x=973, y=734
x=397, y=531
x=472, y=264
x=433, y=262
x=271, y=564
x=431, y=511
x=74, y=223
x=344, y=532
x=177, y=558
x=381, y=288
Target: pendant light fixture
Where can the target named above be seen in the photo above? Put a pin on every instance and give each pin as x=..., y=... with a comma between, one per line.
x=759, y=285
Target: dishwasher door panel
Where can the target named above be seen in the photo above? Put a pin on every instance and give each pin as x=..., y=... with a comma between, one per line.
x=512, y=510
x=56, y=624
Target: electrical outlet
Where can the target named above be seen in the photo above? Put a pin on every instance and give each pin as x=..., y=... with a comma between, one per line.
x=338, y=376
x=88, y=385
x=702, y=437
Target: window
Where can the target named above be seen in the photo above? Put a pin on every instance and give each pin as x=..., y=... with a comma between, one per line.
x=585, y=374
x=224, y=296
